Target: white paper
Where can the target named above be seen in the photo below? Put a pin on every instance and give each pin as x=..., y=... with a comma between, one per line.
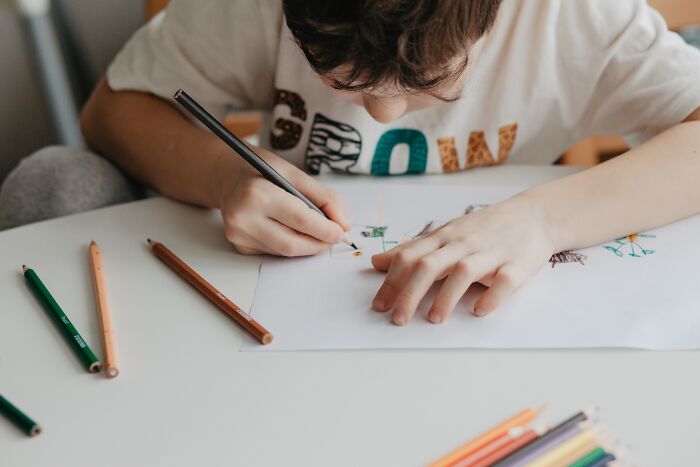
x=640, y=292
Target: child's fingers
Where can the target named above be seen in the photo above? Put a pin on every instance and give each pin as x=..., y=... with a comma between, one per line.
x=507, y=280
x=334, y=211
x=278, y=239
x=401, y=265
x=241, y=241
x=382, y=261
x=467, y=271
x=328, y=200
x=426, y=270
x=295, y=214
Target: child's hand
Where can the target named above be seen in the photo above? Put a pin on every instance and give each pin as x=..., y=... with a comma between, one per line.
x=501, y=246
x=260, y=217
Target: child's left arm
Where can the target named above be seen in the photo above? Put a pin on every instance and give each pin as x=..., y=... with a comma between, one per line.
x=507, y=243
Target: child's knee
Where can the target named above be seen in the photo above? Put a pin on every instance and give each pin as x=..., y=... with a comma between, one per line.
x=57, y=181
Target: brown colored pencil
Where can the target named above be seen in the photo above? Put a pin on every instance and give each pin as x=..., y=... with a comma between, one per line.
x=209, y=291
x=103, y=310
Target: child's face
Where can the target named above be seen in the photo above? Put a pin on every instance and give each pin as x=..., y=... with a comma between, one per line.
x=386, y=104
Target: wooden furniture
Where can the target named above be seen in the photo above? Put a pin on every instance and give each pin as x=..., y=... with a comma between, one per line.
x=154, y=6
x=678, y=13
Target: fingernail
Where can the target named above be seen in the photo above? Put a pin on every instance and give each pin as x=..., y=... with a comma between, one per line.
x=434, y=317
x=378, y=304
x=399, y=319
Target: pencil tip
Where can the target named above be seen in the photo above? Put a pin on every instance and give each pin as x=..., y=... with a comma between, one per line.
x=24, y=268
x=95, y=367
x=149, y=241
x=354, y=246
x=542, y=408
x=93, y=242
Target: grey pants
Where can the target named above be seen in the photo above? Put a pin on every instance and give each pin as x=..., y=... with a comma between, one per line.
x=57, y=181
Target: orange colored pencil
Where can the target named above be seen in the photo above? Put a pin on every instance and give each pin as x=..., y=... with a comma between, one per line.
x=487, y=449
x=103, y=310
x=246, y=321
x=520, y=419
x=510, y=447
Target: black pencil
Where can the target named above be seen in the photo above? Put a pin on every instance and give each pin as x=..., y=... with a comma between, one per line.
x=531, y=447
x=245, y=152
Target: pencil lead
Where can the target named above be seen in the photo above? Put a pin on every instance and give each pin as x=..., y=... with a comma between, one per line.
x=354, y=246
x=24, y=268
x=93, y=242
x=149, y=241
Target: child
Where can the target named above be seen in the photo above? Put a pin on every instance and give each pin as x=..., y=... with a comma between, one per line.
x=390, y=87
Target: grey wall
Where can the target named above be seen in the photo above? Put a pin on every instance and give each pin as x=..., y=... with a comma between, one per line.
x=102, y=26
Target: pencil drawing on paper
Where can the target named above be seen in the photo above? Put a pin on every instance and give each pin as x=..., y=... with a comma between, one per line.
x=474, y=207
x=378, y=231
x=631, y=245
x=568, y=256
x=433, y=225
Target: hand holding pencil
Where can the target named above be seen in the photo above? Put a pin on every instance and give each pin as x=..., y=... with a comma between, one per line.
x=261, y=218
x=268, y=204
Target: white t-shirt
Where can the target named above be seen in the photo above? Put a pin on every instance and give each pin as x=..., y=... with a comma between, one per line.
x=549, y=73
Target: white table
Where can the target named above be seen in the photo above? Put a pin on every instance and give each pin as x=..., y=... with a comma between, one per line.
x=187, y=396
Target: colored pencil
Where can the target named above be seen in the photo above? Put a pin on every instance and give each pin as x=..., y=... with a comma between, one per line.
x=209, y=291
x=19, y=418
x=563, y=430
x=543, y=448
x=186, y=101
x=71, y=335
x=520, y=419
x=513, y=445
x=568, y=452
x=103, y=310
x=603, y=462
x=489, y=448
x=590, y=458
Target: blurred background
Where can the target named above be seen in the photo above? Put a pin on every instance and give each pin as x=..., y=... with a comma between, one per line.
x=93, y=29
x=45, y=41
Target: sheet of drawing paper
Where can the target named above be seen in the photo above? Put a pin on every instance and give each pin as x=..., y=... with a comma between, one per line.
x=641, y=291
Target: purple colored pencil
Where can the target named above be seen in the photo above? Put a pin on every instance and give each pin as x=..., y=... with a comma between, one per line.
x=546, y=446
x=545, y=442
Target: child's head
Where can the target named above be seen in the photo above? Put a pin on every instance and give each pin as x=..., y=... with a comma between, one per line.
x=391, y=56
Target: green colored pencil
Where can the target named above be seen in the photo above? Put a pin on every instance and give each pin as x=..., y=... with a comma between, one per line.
x=72, y=336
x=590, y=458
x=18, y=417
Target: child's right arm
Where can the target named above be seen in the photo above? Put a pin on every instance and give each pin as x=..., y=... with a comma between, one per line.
x=155, y=144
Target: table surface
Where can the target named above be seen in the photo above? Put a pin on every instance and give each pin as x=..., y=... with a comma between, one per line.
x=187, y=396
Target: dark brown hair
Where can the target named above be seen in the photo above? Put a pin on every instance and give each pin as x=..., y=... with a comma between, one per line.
x=415, y=45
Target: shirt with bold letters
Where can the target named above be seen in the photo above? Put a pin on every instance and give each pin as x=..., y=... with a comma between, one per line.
x=546, y=75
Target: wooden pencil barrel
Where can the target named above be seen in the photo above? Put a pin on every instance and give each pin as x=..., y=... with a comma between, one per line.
x=210, y=292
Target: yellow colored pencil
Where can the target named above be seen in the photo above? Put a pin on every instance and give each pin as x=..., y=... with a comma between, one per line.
x=568, y=452
x=103, y=310
x=520, y=419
